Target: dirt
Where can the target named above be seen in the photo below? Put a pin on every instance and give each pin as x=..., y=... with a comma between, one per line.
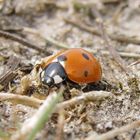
x=37, y=22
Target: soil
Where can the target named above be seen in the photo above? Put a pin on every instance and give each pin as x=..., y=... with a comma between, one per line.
x=50, y=26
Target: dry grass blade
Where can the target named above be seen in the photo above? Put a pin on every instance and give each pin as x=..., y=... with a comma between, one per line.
x=86, y=28
x=134, y=63
x=33, y=122
x=82, y=26
x=117, y=37
x=111, y=134
x=23, y=41
x=7, y=77
x=20, y=99
x=107, y=42
x=56, y=43
x=122, y=54
x=32, y=126
x=46, y=38
x=112, y=51
x=60, y=126
x=89, y=96
x=10, y=71
x=33, y=102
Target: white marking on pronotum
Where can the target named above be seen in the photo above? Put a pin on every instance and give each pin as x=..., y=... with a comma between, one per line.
x=42, y=75
x=57, y=79
x=52, y=73
x=55, y=60
x=62, y=63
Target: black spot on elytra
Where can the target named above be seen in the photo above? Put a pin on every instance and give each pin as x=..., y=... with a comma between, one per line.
x=62, y=58
x=85, y=56
x=85, y=73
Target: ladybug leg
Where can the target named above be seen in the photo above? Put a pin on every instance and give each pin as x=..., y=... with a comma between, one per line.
x=90, y=87
x=94, y=86
x=49, y=90
x=71, y=84
x=107, y=86
x=66, y=93
x=101, y=85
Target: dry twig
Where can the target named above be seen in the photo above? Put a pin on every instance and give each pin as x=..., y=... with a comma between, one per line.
x=89, y=96
x=107, y=42
x=10, y=71
x=122, y=54
x=23, y=41
x=60, y=125
x=110, y=1
x=33, y=102
x=134, y=63
x=35, y=123
x=117, y=37
x=47, y=39
x=64, y=46
x=115, y=132
x=20, y=99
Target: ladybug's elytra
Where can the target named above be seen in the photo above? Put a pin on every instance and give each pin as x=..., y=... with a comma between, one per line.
x=76, y=64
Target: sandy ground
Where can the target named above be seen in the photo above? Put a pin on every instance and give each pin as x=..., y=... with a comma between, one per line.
x=56, y=25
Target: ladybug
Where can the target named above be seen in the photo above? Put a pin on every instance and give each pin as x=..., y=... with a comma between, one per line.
x=76, y=65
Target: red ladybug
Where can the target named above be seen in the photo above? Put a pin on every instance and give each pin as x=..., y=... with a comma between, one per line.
x=76, y=64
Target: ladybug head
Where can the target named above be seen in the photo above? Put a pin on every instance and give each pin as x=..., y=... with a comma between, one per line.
x=53, y=74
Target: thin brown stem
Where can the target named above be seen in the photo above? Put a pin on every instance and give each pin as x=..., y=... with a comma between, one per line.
x=23, y=41
x=20, y=99
x=107, y=41
x=111, y=134
x=93, y=30
x=60, y=125
x=33, y=102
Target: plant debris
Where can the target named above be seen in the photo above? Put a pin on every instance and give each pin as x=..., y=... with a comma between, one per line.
x=33, y=30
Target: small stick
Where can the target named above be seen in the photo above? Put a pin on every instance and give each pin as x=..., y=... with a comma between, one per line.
x=82, y=26
x=110, y=1
x=20, y=99
x=123, y=54
x=60, y=126
x=107, y=42
x=10, y=71
x=111, y=134
x=117, y=37
x=112, y=51
x=56, y=43
x=23, y=41
x=33, y=102
x=134, y=63
x=47, y=39
x=34, y=124
x=89, y=96
x=117, y=13
x=64, y=46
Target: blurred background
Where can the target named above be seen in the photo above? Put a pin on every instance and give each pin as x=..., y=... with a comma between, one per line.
x=110, y=29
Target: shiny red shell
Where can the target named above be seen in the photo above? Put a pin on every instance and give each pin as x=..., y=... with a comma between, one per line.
x=80, y=65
